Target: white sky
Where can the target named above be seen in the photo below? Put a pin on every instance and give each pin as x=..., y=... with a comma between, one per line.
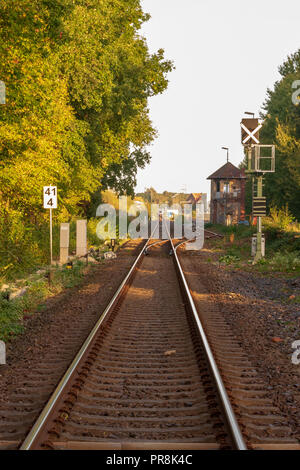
x=226, y=54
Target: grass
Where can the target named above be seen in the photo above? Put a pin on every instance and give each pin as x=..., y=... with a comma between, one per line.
x=14, y=312
x=282, y=235
x=229, y=259
x=20, y=270
x=11, y=319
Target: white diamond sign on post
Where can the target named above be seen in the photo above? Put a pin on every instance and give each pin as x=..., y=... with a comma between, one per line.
x=50, y=202
x=250, y=131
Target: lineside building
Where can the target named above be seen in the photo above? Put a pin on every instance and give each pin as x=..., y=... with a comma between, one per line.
x=227, y=201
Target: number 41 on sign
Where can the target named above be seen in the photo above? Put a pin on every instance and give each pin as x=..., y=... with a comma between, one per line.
x=50, y=197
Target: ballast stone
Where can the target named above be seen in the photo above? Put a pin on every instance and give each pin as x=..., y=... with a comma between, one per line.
x=110, y=255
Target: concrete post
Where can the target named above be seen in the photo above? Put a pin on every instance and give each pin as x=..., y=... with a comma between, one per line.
x=64, y=243
x=2, y=353
x=81, y=238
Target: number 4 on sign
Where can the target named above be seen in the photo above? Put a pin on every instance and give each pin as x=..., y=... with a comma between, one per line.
x=50, y=197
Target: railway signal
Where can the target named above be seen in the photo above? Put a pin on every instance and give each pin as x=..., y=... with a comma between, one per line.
x=250, y=131
x=113, y=244
x=261, y=160
x=259, y=207
x=50, y=202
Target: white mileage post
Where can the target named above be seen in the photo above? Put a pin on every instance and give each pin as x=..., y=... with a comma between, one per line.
x=50, y=202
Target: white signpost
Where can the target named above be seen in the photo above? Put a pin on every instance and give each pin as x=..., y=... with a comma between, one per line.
x=50, y=202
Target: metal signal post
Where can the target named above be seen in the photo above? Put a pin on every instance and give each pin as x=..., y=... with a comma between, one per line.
x=259, y=253
x=261, y=160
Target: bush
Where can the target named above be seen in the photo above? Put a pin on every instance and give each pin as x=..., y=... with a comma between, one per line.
x=24, y=246
x=12, y=311
x=281, y=217
x=10, y=319
x=91, y=233
x=286, y=261
x=21, y=249
x=229, y=259
x=69, y=277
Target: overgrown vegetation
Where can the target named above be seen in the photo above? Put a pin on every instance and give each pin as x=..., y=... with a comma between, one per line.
x=282, y=262
x=282, y=219
x=24, y=249
x=15, y=312
x=282, y=235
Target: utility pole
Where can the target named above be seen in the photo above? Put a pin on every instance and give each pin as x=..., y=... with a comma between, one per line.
x=227, y=186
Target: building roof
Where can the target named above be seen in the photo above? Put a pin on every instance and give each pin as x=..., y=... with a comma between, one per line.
x=227, y=171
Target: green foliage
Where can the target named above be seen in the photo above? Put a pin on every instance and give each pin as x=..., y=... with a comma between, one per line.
x=35, y=294
x=93, y=239
x=282, y=218
x=239, y=231
x=22, y=247
x=13, y=311
x=287, y=262
x=69, y=277
x=229, y=259
x=78, y=77
x=150, y=194
x=281, y=230
x=10, y=319
x=282, y=128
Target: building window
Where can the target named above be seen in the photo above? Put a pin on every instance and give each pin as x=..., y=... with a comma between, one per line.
x=218, y=186
x=226, y=188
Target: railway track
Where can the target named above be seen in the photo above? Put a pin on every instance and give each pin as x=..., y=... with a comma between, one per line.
x=145, y=377
x=208, y=234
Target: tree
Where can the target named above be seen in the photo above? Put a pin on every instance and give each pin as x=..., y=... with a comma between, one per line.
x=78, y=78
x=282, y=128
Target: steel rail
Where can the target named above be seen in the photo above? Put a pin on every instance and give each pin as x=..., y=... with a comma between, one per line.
x=215, y=234
x=189, y=240
x=154, y=244
x=37, y=427
x=229, y=413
